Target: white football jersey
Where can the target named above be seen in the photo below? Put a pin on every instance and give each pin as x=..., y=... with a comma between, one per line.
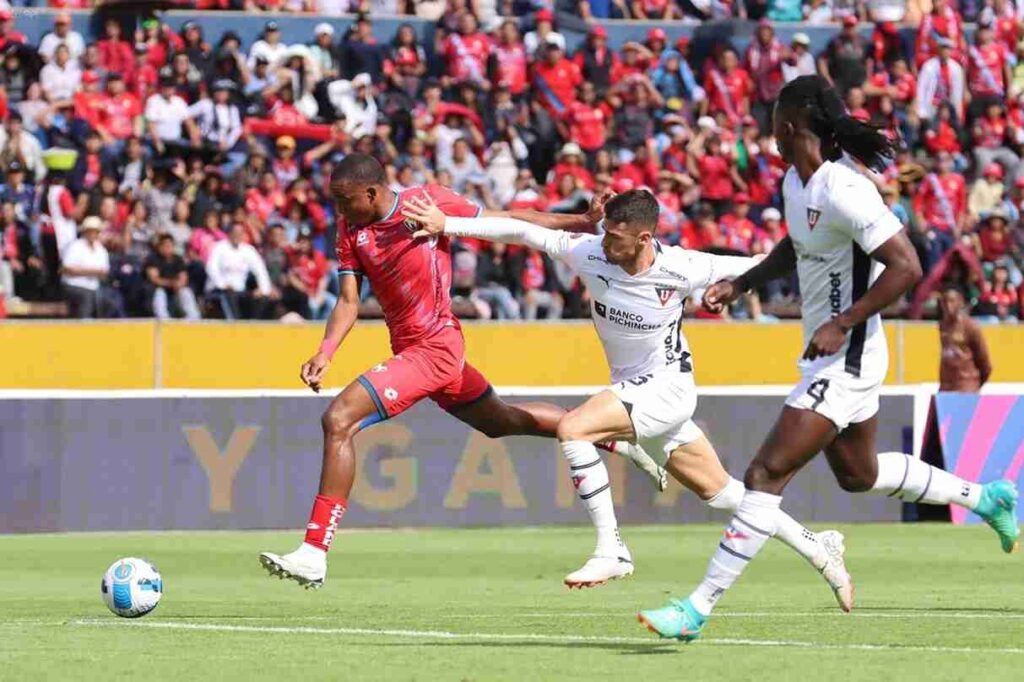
x=639, y=317
x=836, y=221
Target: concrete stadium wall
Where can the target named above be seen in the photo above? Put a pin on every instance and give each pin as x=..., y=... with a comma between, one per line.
x=155, y=463
x=220, y=355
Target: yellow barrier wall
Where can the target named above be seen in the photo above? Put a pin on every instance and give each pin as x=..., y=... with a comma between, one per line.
x=236, y=355
x=76, y=354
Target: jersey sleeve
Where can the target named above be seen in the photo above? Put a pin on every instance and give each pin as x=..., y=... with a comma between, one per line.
x=556, y=243
x=861, y=213
x=701, y=269
x=453, y=204
x=348, y=264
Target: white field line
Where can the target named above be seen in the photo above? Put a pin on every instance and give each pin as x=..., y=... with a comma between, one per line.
x=907, y=615
x=530, y=636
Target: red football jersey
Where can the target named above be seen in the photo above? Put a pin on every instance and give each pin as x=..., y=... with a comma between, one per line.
x=410, y=278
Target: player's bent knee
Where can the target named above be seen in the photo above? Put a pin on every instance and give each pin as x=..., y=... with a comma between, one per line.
x=569, y=428
x=764, y=477
x=338, y=421
x=855, y=482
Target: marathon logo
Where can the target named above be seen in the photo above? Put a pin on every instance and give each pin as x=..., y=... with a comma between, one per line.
x=835, y=292
x=624, y=318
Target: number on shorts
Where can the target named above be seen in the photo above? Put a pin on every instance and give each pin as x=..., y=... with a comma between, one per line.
x=637, y=381
x=817, y=391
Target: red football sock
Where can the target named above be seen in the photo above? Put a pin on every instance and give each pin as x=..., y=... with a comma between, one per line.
x=607, y=447
x=324, y=520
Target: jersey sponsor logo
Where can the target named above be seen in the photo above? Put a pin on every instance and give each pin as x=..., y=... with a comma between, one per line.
x=607, y=280
x=835, y=292
x=332, y=525
x=624, y=318
x=812, y=217
x=362, y=239
x=391, y=394
x=672, y=274
x=597, y=258
x=732, y=533
x=664, y=294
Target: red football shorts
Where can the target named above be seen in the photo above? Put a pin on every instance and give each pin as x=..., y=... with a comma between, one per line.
x=434, y=368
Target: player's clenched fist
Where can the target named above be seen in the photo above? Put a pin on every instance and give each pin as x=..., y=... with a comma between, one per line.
x=313, y=371
x=719, y=295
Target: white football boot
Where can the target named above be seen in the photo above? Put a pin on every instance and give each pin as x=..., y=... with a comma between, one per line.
x=639, y=457
x=307, y=566
x=831, y=564
x=607, y=563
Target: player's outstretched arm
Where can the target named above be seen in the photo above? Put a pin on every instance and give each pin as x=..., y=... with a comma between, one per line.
x=434, y=222
x=778, y=263
x=339, y=324
x=902, y=270
x=570, y=222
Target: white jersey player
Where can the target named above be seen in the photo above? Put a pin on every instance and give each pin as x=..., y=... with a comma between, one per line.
x=853, y=260
x=638, y=288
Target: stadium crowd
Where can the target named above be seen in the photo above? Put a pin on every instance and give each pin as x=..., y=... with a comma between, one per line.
x=162, y=171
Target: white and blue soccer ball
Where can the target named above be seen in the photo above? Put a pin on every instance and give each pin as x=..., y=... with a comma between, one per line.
x=132, y=587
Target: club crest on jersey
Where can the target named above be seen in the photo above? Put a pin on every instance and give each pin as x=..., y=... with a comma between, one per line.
x=812, y=217
x=664, y=294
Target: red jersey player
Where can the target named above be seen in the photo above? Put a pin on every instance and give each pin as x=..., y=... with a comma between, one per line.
x=411, y=279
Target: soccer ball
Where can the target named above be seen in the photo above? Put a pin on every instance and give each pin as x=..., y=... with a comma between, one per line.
x=132, y=587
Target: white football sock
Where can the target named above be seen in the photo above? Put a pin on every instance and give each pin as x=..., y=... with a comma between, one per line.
x=788, y=529
x=590, y=477
x=755, y=521
x=911, y=480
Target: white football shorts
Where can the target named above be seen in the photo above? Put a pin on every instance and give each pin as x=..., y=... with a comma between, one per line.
x=661, y=406
x=839, y=397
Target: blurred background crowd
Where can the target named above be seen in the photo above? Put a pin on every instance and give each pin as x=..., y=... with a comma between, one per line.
x=154, y=169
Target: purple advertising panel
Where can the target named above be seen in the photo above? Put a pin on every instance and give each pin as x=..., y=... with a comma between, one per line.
x=77, y=464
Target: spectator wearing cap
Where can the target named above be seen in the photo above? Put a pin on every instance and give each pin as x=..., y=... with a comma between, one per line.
x=115, y=52
x=508, y=63
x=230, y=265
x=942, y=23
x=986, y=192
x=159, y=40
x=268, y=46
x=88, y=99
x=167, y=115
x=570, y=162
x=728, y=87
x=596, y=60
x=465, y=53
x=61, y=35
x=555, y=78
x=763, y=60
x=940, y=79
x=285, y=166
x=843, y=61
x=941, y=203
x=324, y=53
x=674, y=80
x=61, y=77
x=167, y=275
x=543, y=35
x=218, y=125
x=84, y=266
x=361, y=53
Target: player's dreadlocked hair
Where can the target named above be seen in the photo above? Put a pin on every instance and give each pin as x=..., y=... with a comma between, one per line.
x=839, y=132
x=361, y=169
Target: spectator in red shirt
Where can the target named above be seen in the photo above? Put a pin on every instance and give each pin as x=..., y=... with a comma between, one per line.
x=115, y=52
x=763, y=60
x=89, y=100
x=998, y=301
x=994, y=242
x=712, y=164
x=941, y=203
x=737, y=229
x=586, y=122
x=596, y=60
x=142, y=78
x=307, y=274
x=634, y=62
x=942, y=22
x=641, y=169
x=508, y=63
x=988, y=70
x=992, y=135
x=555, y=79
x=119, y=113
x=728, y=87
x=656, y=9
x=264, y=200
x=7, y=33
x=944, y=134
x=466, y=52
x=570, y=162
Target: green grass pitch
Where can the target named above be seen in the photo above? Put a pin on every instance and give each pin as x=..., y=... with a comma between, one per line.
x=934, y=602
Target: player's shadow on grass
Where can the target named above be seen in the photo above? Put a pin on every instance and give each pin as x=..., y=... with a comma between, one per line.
x=624, y=648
